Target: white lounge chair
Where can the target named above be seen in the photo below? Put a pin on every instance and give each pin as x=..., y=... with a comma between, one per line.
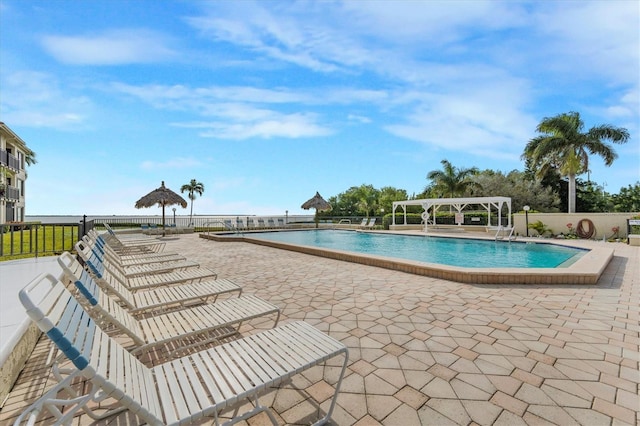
x=86, y=252
x=162, y=299
x=100, y=270
x=130, y=247
x=133, y=270
x=372, y=223
x=132, y=259
x=176, y=331
x=130, y=239
x=363, y=224
x=188, y=389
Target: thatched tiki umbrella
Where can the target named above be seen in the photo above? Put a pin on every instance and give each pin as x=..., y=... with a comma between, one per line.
x=162, y=197
x=318, y=203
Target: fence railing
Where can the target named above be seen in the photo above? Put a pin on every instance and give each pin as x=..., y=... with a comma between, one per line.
x=35, y=239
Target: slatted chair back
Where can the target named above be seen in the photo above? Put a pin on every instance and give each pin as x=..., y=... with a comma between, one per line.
x=97, y=258
x=106, y=311
x=74, y=270
x=99, y=271
x=100, y=246
x=110, y=367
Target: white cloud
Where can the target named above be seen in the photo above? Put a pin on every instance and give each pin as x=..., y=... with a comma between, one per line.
x=358, y=118
x=291, y=126
x=602, y=36
x=36, y=99
x=115, y=47
x=485, y=122
x=231, y=119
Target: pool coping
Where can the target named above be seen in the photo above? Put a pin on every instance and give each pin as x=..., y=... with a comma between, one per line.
x=584, y=271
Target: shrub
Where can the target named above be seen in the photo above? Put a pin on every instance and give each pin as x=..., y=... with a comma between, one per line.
x=539, y=227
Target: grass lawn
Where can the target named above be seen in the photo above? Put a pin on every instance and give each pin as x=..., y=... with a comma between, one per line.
x=40, y=240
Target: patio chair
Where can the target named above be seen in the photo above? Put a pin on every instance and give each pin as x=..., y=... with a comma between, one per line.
x=372, y=223
x=131, y=259
x=178, y=331
x=164, y=299
x=128, y=248
x=363, y=224
x=188, y=389
x=143, y=282
x=85, y=251
x=129, y=238
x=100, y=270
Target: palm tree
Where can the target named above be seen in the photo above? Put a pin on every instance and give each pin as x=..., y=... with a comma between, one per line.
x=194, y=187
x=564, y=147
x=30, y=157
x=452, y=180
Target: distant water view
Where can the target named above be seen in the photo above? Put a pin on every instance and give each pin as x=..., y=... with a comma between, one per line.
x=180, y=220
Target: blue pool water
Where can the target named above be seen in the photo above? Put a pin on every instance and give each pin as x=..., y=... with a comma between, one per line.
x=470, y=253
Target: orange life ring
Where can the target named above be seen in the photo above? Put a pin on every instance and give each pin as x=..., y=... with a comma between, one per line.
x=585, y=233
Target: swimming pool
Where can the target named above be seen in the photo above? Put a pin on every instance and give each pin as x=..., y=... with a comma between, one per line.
x=584, y=267
x=474, y=253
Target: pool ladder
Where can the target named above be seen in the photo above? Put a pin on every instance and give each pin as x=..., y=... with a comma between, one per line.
x=225, y=225
x=501, y=229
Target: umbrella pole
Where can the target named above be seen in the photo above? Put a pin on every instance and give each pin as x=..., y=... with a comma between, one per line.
x=163, y=228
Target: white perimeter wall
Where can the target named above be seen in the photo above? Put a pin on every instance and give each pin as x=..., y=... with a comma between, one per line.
x=558, y=222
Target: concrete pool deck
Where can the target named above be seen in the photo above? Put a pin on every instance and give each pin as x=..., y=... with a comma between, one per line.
x=425, y=350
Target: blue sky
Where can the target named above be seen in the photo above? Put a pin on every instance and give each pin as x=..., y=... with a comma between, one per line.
x=267, y=102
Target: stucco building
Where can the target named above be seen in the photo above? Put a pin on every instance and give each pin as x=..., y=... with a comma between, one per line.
x=13, y=175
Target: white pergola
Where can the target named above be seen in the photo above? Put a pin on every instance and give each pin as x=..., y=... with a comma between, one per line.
x=457, y=203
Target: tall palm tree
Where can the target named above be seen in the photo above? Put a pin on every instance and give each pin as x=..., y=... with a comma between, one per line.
x=452, y=180
x=563, y=146
x=194, y=187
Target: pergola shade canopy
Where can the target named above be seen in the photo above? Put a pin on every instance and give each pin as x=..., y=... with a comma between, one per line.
x=459, y=204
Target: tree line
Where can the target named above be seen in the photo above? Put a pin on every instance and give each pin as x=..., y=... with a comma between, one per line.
x=553, y=161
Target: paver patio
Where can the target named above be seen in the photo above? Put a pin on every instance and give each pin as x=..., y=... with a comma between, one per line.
x=429, y=351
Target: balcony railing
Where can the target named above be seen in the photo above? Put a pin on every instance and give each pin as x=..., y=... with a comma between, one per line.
x=9, y=192
x=9, y=160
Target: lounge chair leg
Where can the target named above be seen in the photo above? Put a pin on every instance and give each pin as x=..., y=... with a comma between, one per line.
x=258, y=408
x=51, y=403
x=326, y=418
